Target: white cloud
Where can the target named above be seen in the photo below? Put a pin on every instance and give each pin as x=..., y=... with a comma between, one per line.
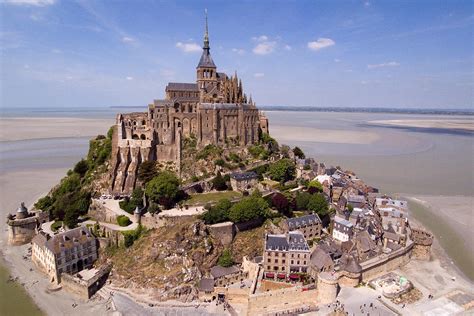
x=188, y=47
x=337, y=60
x=261, y=38
x=129, y=78
x=239, y=51
x=388, y=64
x=128, y=39
x=56, y=51
x=264, y=48
x=321, y=43
x=259, y=75
x=287, y=47
x=366, y=4
x=364, y=82
x=36, y=3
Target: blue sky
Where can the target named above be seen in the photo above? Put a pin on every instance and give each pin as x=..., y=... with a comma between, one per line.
x=66, y=53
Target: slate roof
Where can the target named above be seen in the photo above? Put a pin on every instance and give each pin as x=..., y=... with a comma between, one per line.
x=276, y=242
x=342, y=221
x=181, y=86
x=350, y=264
x=320, y=259
x=206, y=60
x=296, y=241
x=218, y=271
x=297, y=222
x=206, y=285
x=239, y=176
x=69, y=239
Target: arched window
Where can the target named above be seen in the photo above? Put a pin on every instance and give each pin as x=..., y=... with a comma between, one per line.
x=142, y=137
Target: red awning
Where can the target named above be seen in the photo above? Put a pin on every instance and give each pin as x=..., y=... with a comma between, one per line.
x=294, y=276
x=269, y=275
x=281, y=275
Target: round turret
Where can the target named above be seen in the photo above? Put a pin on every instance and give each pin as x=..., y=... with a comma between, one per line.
x=22, y=211
x=137, y=214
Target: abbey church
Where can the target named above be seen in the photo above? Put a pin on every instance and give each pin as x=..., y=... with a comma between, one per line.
x=214, y=110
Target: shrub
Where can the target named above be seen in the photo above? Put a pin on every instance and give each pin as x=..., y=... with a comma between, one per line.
x=225, y=260
x=315, y=184
x=81, y=167
x=280, y=202
x=132, y=235
x=123, y=220
x=209, y=150
x=220, y=162
x=56, y=225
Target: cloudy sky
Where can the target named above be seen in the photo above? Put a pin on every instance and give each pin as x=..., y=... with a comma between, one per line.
x=66, y=53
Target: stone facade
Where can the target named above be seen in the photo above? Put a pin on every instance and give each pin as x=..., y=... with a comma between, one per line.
x=309, y=225
x=285, y=254
x=422, y=244
x=68, y=252
x=214, y=110
x=243, y=181
x=22, y=226
x=86, y=283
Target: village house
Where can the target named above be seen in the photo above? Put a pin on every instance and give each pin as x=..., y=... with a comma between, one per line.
x=285, y=255
x=67, y=252
x=309, y=225
x=382, y=203
x=320, y=261
x=342, y=230
x=358, y=201
x=243, y=181
x=224, y=276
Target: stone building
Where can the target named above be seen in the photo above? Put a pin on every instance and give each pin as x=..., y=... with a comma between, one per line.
x=213, y=110
x=309, y=225
x=342, y=230
x=243, y=181
x=68, y=252
x=285, y=255
x=23, y=225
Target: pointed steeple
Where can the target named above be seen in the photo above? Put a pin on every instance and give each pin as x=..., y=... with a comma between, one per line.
x=206, y=59
x=206, y=34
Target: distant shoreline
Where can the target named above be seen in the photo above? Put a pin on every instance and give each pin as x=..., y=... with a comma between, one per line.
x=350, y=110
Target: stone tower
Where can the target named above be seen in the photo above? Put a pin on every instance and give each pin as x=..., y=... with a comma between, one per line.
x=206, y=71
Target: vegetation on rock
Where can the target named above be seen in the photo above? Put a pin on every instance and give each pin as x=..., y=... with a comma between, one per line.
x=225, y=260
x=147, y=171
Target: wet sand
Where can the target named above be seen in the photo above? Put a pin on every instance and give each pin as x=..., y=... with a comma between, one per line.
x=451, y=219
x=14, y=128
x=448, y=124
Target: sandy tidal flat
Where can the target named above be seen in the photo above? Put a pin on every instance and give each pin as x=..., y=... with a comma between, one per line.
x=449, y=124
x=12, y=129
x=290, y=133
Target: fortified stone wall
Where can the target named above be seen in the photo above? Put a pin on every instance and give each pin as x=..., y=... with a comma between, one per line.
x=21, y=231
x=82, y=288
x=385, y=263
x=284, y=299
x=327, y=287
x=423, y=241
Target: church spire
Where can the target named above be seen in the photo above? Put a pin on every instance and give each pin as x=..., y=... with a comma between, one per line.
x=206, y=34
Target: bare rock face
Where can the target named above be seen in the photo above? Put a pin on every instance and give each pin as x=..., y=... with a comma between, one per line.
x=184, y=293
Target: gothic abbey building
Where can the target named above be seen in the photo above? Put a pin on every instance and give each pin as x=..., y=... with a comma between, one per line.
x=214, y=110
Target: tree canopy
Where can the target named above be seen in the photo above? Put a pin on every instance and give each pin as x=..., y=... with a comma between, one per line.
x=163, y=189
x=299, y=153
x=248, y=208
x=283, y=170
x=147, y=171
x=318, y=204
x=218, y=213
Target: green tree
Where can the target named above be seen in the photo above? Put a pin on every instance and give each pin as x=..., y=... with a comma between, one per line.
x=315, y=184
x=81, y=167
x=299, y=153
x=248, y=208
x=318, y=204
x=282, y=170
x=147, y=171
x=225, y=260
x=218, y=213
x=302, y=200
x=218, y=183
x=123, y=220
x=163, y=189
x=137, y=197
